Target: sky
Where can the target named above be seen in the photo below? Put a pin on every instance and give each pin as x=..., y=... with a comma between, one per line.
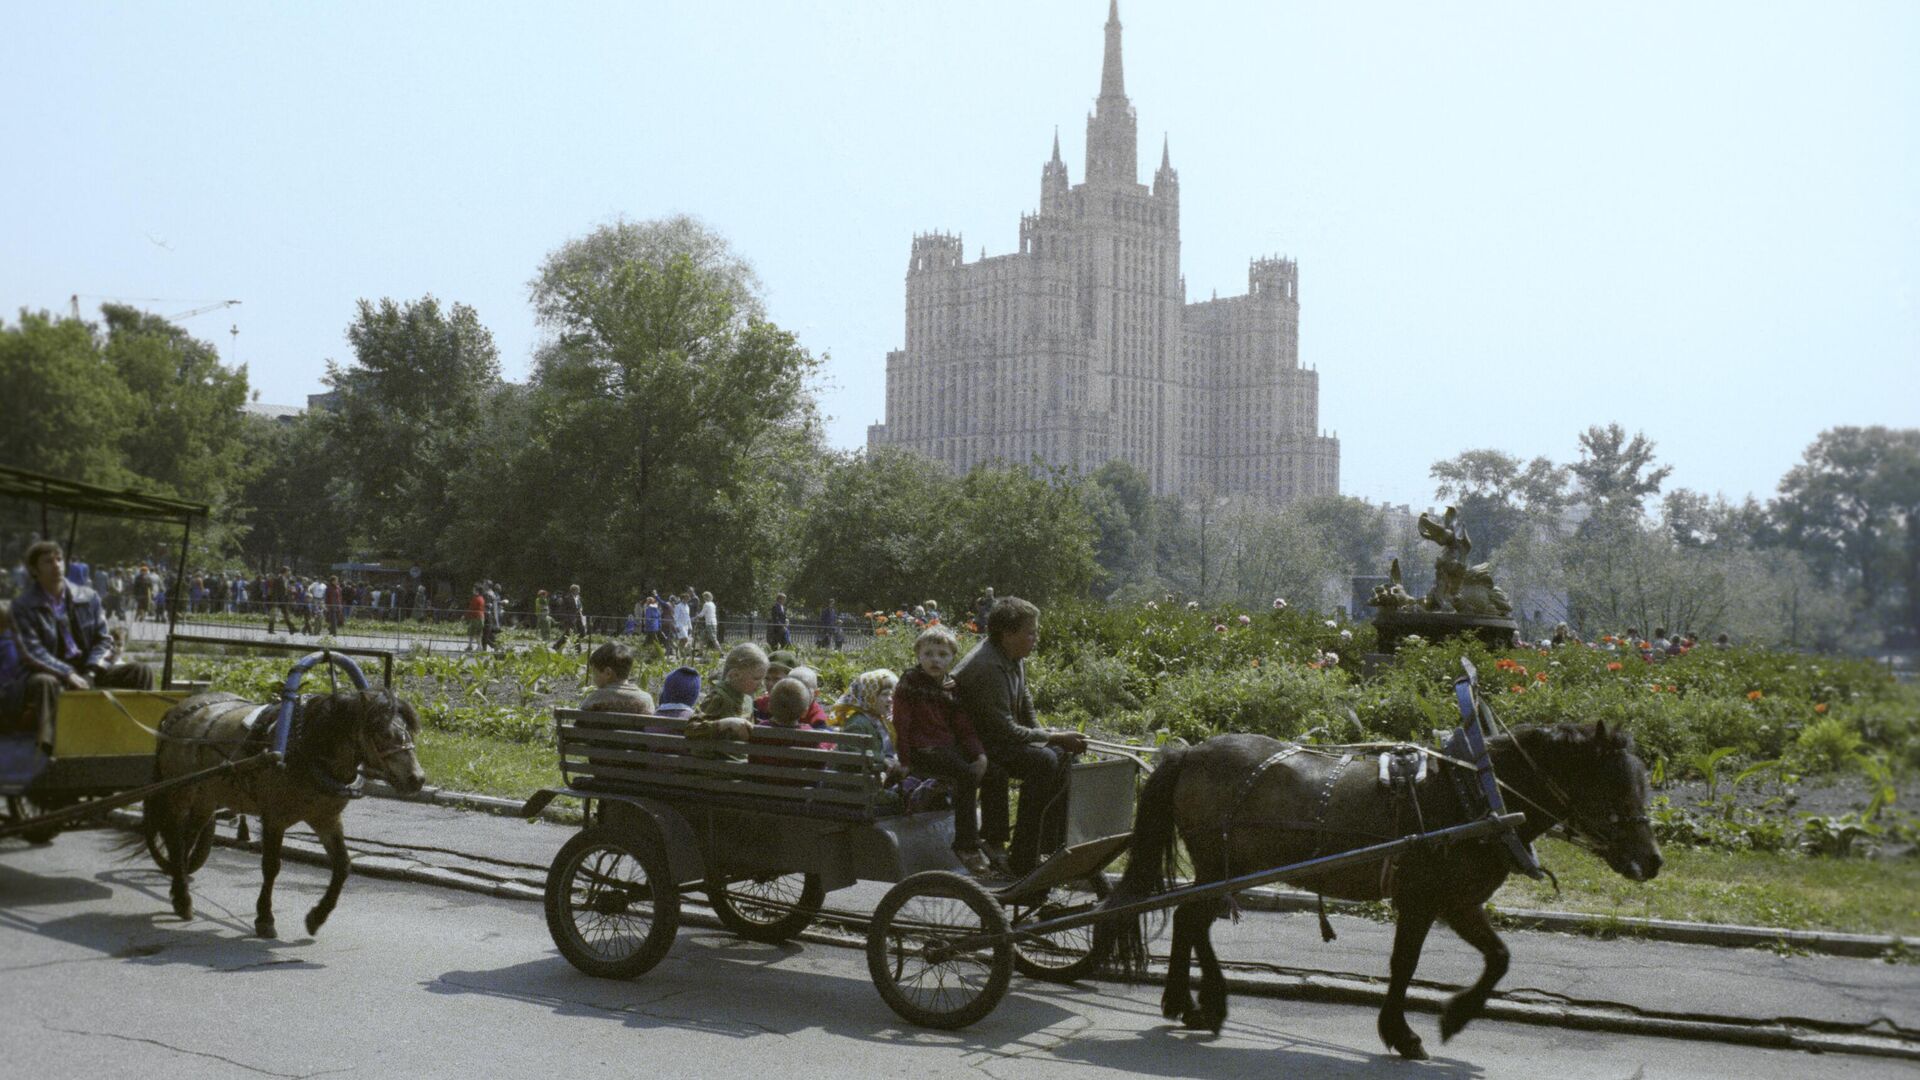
x=1513, y=220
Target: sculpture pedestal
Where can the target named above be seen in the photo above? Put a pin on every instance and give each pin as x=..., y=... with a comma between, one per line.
x=1391, y=626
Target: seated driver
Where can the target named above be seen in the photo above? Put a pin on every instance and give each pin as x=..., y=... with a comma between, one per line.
x=63, y=640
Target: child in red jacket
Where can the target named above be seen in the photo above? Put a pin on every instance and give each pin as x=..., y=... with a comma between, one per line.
x=935, y=739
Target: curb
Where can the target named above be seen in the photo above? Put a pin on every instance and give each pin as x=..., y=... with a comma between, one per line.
x=1316, y=987
x=1267, y=898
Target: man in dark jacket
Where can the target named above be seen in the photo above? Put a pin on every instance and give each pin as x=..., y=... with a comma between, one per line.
x=64, y=641
x=991, y=683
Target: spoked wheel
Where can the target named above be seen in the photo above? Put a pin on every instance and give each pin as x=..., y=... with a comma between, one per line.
x=771, y=908
x=612, y=906
x=162, y=852
x=908, y=953
x=22, y=807
x=1069, y=954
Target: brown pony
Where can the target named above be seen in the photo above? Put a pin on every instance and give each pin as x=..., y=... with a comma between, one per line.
x=333, y=736
x=1244, y=803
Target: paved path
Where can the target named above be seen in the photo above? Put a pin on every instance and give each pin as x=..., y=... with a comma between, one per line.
x=97, y=979
x=1684, y=982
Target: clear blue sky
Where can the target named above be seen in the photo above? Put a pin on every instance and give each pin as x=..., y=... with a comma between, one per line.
x=1512, y=220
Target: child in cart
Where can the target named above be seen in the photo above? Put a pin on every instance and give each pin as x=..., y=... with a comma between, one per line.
x=725, y=714
x=936, y=740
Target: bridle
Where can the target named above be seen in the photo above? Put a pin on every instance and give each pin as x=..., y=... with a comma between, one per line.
x=1582, y=829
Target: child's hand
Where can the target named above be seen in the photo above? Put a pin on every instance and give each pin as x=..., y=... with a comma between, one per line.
x=978, y=767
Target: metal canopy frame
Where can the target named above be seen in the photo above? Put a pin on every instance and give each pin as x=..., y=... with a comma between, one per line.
x=78, y=498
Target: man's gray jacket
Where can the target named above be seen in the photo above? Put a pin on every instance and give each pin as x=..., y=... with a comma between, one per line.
x=39, y=631
x=993, y=690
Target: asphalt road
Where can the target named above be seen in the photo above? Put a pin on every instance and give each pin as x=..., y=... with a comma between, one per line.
x=98, y=979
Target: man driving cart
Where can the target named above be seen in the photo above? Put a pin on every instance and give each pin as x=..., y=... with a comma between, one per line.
x=64, y=644
x=991, y=684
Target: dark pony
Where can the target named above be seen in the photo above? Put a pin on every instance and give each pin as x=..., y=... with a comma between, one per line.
x=1244, y=803
x=333, y=737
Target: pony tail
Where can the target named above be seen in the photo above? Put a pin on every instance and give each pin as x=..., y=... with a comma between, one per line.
x=153, y=812
x=1153, y=860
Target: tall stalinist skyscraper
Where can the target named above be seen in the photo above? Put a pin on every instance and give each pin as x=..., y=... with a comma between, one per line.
x=1081, y=347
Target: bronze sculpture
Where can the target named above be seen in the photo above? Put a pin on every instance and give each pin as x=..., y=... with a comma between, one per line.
x=1463, y=599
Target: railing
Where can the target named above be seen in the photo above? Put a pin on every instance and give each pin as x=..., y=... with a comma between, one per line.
x=450, y=630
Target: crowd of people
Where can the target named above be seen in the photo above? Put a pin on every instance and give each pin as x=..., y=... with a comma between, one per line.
x=1660, y=646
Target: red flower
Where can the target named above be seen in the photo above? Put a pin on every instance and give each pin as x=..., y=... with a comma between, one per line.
x=1821, y=708
x=1615, y=666
x=1516, y=689
x=1540, y=676
x=1754, y=695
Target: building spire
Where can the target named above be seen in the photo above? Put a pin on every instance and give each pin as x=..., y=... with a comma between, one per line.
x=1113, y=81
x=1166, y=159
x=1056, y=146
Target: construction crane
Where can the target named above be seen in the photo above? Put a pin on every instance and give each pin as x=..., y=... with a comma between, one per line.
x=202, y=310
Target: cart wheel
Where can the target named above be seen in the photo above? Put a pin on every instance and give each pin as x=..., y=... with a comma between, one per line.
x=772, y=908
x=1069, y=954
x=612, y=906
x=921, y=915
x=202, y=847
x=22, y=807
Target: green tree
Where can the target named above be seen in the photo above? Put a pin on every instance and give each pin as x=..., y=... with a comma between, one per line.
x=1126, y=519
x=187, y=437
x=1616, y=474
x=1498, y=494
x=63, y=407
x=1852, y=506
x=1026, y=532
x=135, y=403
x=666, y=415
x=879, y=532
x=402, y=414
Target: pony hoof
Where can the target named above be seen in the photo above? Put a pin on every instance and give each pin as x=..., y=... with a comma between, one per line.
x=1406, y=1044
x=1202, y=1020
x=1452, y=1021
x=1174, y=1008
x=265, y=928
x=183, y=908
x=315, y=920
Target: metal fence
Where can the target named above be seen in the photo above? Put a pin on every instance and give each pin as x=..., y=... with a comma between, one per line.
x=448, y=630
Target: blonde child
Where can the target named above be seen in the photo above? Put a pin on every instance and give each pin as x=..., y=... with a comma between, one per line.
x=936, y=740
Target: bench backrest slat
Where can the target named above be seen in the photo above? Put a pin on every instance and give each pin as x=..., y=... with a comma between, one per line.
x=581, y=740
x=584, y=759
x=649, y=754
x=651, y=777
x=612, y=721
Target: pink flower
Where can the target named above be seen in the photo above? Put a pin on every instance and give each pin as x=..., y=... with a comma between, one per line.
x=1279, y=604
x=1246, y=620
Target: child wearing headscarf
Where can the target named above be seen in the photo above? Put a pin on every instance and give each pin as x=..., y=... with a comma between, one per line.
x=865, y=709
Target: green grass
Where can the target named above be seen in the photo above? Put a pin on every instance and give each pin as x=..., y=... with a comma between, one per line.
x=1795, y=892
x=486, y=766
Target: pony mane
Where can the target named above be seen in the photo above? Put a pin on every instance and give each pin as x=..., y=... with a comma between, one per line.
x=328, y=720
x=1566, y=738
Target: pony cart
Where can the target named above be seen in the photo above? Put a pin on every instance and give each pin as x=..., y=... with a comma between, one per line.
x=103, y=743
x=768, y=837
x=104, y=759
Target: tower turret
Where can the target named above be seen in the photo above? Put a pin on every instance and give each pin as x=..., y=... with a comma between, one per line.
x=1112, y=140
x=935, y=251
x=1166, y=179
x=1053, y=178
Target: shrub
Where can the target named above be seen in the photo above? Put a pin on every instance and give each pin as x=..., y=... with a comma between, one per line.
x=1829, y=744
